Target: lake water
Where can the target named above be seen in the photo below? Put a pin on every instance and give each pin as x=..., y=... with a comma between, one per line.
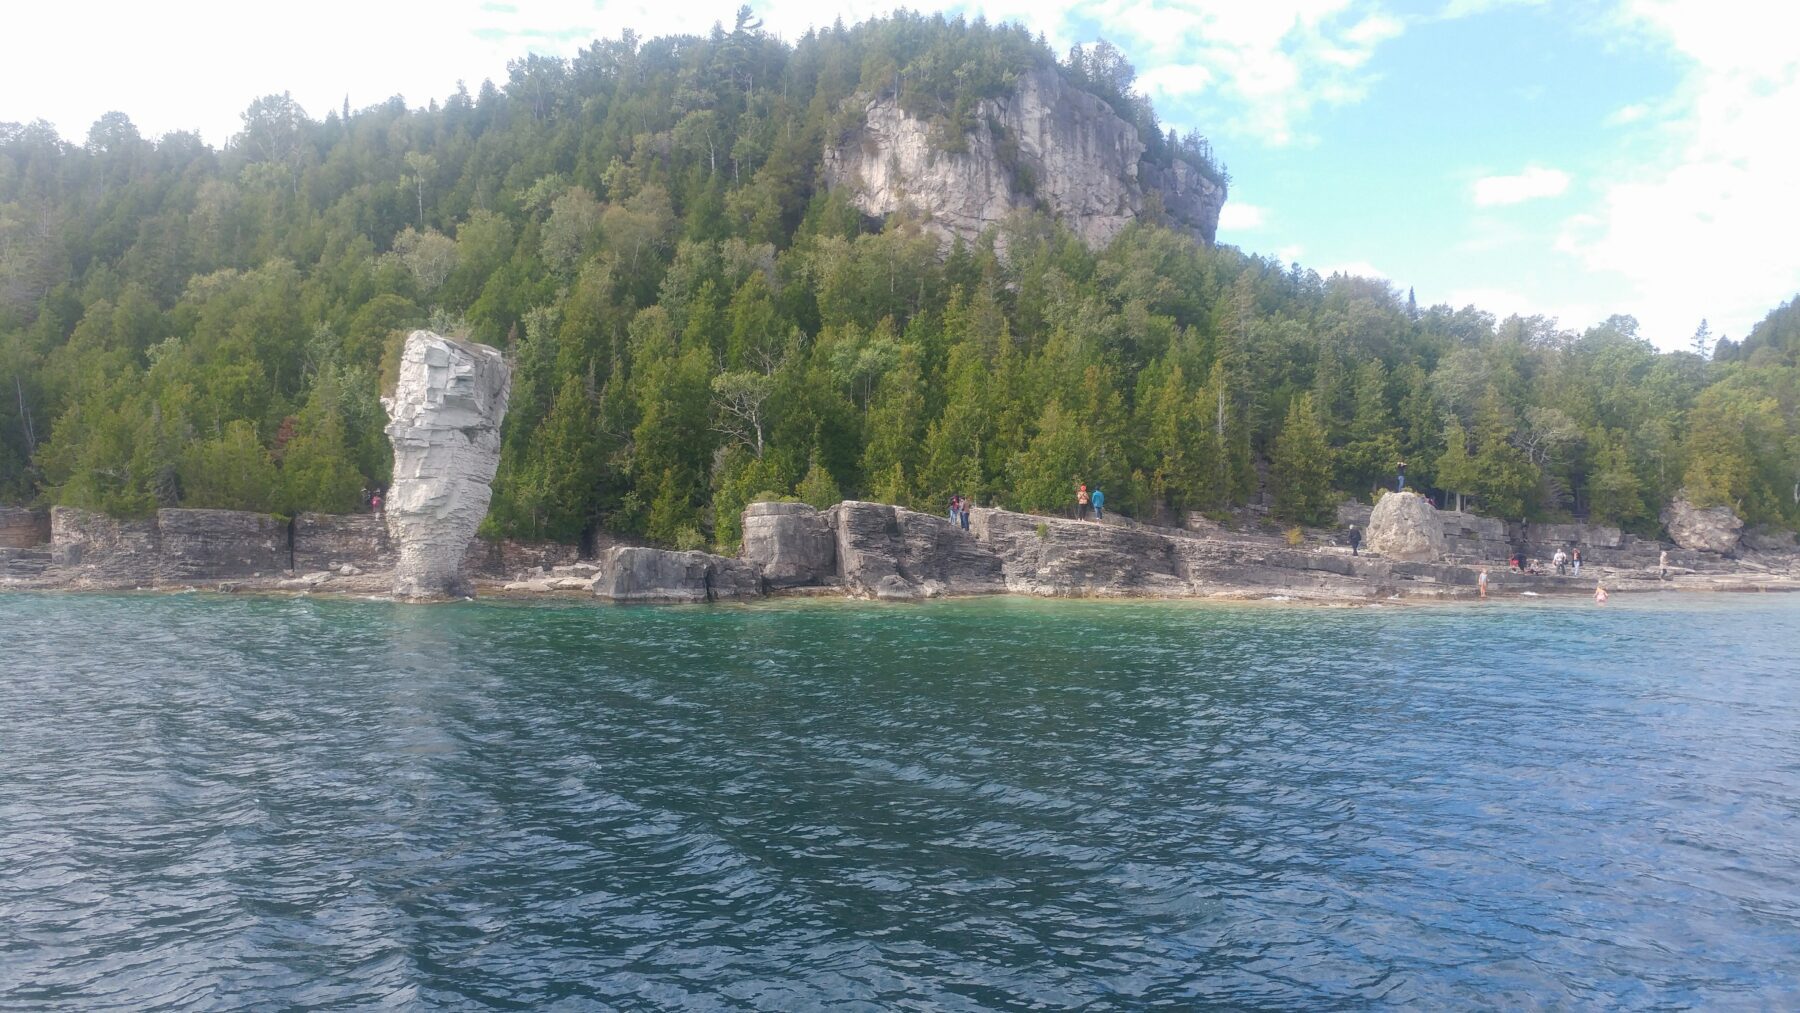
x=222, y=802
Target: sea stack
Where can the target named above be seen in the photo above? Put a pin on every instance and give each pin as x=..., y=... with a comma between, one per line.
x=1405, y=526
x=444, y=423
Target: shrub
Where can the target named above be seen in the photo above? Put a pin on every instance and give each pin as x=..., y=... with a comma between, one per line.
x=1295, y=537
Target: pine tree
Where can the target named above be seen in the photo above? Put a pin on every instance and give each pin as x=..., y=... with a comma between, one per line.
x=1301, y=469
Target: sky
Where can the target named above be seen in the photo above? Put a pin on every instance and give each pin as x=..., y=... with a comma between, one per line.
x=1574, y=159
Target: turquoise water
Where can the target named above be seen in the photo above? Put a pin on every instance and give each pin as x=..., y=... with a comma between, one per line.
x=213, y=802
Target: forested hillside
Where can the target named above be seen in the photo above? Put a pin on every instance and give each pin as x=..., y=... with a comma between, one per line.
x=693, y=321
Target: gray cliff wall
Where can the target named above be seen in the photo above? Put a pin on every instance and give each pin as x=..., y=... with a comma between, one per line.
x=444, y=423
x=201, y=544
x=1047, y=144
x=23, y=529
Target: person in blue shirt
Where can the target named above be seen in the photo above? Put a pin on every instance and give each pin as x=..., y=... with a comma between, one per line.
x=1098, y=498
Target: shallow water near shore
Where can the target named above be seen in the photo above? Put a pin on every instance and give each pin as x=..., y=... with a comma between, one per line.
x=212, y=801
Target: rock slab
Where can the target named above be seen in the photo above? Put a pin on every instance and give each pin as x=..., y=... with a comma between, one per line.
x=791, y=542
x=1405, y=526
x=665, y=576
x=444, y=423
x=1710, y=529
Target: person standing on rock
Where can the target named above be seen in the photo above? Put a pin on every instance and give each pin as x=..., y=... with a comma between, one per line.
x=1662, y=566
x=1401, y=486
x=1098, y=499
x=1560, y=560
x=1081, y=501
x=1575, y=560
x=1481, y=583
x=955, y=509
x=1355, y=541
x=964, y=510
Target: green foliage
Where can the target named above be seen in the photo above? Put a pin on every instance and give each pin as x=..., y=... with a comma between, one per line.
x=818, y=488
x=1301, y=467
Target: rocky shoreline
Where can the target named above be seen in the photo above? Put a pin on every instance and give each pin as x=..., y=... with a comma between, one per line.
x=865, y=550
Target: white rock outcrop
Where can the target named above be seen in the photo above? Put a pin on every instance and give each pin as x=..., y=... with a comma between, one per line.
x=1713, y=529
x=444, y=423
x=1405, y=526
x=1045, y=144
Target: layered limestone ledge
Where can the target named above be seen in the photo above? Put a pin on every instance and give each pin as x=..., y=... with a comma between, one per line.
x=444, y=424
x=23, y=529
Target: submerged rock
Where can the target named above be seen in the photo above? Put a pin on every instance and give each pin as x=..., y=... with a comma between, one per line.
x=444, y=423
x=1712, y=529
x=1405, y=526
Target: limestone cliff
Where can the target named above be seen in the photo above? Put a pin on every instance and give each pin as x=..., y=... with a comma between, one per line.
x=1046, y=144
x=444, y=423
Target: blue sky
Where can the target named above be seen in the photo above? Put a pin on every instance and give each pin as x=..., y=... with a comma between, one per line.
x=1571, y=159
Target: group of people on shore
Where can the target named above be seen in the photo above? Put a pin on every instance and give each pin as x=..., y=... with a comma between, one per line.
x=960, y=506
x=1089, y=503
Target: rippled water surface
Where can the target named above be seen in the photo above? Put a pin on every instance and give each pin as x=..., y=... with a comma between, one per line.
x=216, y=802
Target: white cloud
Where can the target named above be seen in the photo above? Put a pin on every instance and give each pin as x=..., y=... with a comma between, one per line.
x=1626, y=115
x=1273, y=63
x=1290, y=254
x=1704, y=227
x=1237, y=216
x=1534, y=183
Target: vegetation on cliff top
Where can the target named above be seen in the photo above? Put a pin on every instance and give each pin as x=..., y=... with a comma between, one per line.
x=694, y=322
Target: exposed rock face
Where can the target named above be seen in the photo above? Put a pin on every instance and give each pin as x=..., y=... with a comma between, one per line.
x=444, y=423
x=200, y=544
x=636, y=574
x=791, y=542
x=23, y=529
x=1405, y=526
x=1075, y=558
x=328, y=541
x=1047, y=144
x=509, y=556
x=891, y=552
x=1714, y=529
x=83, y=538
x=1769, y=540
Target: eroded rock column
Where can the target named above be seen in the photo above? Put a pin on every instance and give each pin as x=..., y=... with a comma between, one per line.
x=444, y=423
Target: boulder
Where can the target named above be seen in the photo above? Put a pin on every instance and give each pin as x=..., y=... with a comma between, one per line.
x=1405, y=526
x=444, y=424
x=664, y=576
x=1710, y=529
x=791, y=542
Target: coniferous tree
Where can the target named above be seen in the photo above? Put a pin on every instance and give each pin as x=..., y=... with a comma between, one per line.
x=1302, y=466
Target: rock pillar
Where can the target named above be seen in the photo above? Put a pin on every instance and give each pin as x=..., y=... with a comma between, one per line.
x=444, y=423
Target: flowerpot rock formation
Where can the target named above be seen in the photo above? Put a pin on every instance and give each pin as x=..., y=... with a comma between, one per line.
x=444, y=423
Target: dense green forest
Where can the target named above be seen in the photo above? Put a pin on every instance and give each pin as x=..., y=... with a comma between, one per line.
x=695, y=322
